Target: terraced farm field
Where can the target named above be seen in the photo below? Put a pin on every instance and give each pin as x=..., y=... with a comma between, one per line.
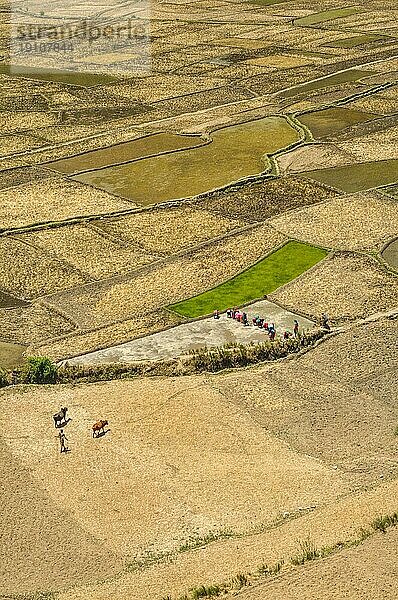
x=160, y=163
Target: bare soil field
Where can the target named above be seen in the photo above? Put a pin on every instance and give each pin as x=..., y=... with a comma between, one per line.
x=316, y=449
x=370, y=569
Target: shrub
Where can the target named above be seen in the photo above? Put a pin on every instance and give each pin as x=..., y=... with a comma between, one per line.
x=39, y=369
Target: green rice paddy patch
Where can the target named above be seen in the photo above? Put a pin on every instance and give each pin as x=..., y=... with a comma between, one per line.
x=70, y=77
x=354, y=41
x=263, y=278
x=331, y=120
x=327, y=15
x=324, y=82
x=235, y=152
x=357, y=177
x=125, y=152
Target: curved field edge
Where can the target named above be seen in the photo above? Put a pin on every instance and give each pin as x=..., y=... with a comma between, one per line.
x=277, y=269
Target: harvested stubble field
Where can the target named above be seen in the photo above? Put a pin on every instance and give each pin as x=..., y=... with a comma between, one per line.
x=266, y=440
x=335, y=223
x=29, y=272
x=54, y=199
x=32, y=325
x=171, y=281
x=169, y=230
x=95, y=255
x=346, y=286
x=262, y=199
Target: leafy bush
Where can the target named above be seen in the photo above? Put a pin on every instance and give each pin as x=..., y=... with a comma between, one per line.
x=39, y=369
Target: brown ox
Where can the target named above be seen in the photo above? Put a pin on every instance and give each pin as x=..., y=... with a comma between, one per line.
x=99, y=427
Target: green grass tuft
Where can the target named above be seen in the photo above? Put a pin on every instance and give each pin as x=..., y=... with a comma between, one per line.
x=265, y=277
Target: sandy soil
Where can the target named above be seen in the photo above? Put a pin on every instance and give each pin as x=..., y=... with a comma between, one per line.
x=313, y=156
x=368, y=571
x=174, y=449
x=177, y=446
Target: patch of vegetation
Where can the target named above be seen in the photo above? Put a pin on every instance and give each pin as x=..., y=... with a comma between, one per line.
x=241, y=355
x=202, y=360
x=265, y=277
x=382, y=523
x=3, y=378
x=194, y=541
x=327, y=15
x=39, y=369
x=307, y=551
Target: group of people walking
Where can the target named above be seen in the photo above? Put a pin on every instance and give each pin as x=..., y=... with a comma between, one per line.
x=257, y=321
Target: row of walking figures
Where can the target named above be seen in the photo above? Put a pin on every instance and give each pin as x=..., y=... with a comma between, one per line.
x=61, y=421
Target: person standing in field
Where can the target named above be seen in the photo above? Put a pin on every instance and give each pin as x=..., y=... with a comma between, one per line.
x=296, y=328
x=62, y=439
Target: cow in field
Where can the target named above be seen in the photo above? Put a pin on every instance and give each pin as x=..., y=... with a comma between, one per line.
x=60, y=417
x=99, y=428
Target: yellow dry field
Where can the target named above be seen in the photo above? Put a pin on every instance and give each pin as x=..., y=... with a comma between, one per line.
x=169, y=282
x=241, y=42
x=376, y=104
x=28, y=272
x=11, y=122
x=381, y=145
x=308, y=438
x=166, y=86
x=179, y=460
x=18, y=143
x=32, y=325
x=279, y=61
x=345, y=286
x=54, y=199
x=108, y=58
x=336, y=223
x=89, y=251
x=169, y=230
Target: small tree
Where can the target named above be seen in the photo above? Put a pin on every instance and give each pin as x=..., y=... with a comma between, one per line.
x=40, y=369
